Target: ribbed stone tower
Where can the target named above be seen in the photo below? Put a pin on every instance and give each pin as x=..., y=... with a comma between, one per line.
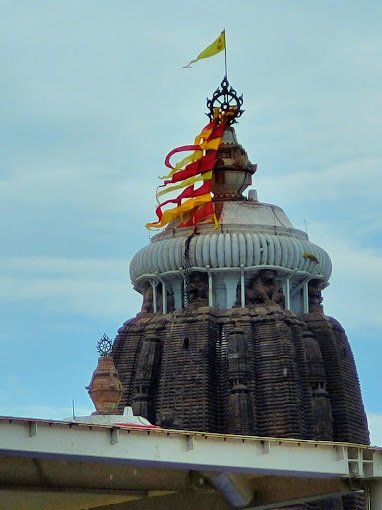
x=232, y=336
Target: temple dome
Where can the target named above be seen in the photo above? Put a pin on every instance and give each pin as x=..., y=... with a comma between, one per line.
x=250, y=237
x=250, y=234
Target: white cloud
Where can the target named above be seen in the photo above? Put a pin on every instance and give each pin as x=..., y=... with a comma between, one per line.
x=87, y=186
x=88, y=287
x=348, y=184
x=375, y=427
x=354, y=294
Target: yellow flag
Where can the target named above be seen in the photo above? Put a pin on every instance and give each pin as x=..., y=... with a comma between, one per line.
x=214, y=48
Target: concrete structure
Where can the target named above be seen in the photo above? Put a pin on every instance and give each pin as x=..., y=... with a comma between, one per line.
x=68, y=465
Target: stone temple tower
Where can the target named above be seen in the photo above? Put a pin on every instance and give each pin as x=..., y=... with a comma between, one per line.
x=232, y=336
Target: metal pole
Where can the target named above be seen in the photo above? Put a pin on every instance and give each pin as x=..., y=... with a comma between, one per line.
x=225, y=55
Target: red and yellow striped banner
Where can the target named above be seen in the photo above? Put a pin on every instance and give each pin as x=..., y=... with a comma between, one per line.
x=193, y=204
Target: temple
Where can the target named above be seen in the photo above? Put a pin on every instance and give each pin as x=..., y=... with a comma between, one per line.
x=230, y=388
x=232, y=336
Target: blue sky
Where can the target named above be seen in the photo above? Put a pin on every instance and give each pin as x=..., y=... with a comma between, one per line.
x=93, y=96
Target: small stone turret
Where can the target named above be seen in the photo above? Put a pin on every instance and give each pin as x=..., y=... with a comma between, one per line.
x=105, y=388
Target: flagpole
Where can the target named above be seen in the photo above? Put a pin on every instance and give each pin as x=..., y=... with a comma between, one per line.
x=225, y=55
x=225, y=61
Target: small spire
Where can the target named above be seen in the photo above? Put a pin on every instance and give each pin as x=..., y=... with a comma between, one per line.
x=105, y=388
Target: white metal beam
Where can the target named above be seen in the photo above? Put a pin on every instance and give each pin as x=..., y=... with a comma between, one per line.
x=190, y=450
x=271, y=467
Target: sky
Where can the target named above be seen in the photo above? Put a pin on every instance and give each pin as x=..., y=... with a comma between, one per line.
x=93, y=96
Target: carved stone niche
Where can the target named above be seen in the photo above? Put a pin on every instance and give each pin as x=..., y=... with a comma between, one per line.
x=322, y=415
x=146, y=377
x=240, y=405
x=314, y=295
x=197, y=289
x=322, y=419
x=263, y=289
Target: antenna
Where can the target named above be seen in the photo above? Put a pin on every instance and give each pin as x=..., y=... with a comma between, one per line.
x=306, y=228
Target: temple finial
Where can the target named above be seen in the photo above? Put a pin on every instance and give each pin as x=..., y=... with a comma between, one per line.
x=225, y=104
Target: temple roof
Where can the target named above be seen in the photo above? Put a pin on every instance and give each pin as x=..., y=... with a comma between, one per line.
x=249, y=234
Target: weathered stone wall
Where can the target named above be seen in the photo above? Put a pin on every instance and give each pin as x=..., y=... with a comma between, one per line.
x=259, y=370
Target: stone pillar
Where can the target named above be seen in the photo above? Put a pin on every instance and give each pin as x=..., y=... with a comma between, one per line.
x=220, y=291
x=178, y=293
x=164, y=298
x=242, y=287
x=305, y=298
x=210, y=288
x=154, y=285
x=287, y=293
x=231, y=281
x=225, y=287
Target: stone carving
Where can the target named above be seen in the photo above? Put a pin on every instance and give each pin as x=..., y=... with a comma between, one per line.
x=263, y=289
x=170, y=301
x=168, y=420
x=281, y=298
x=148, y=306
x=240, y=406
x=315, y=298
x=234, y=157
x=146, y=377
x=198, y=289
x=321, y=408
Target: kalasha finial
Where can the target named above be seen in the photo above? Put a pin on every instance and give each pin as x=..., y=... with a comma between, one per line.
x=104, y=345
x=225, y=103
x=105, y=388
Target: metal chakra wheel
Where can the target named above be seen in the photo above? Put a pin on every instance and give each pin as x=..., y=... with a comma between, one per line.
x=104, y=345
x=226, y=103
